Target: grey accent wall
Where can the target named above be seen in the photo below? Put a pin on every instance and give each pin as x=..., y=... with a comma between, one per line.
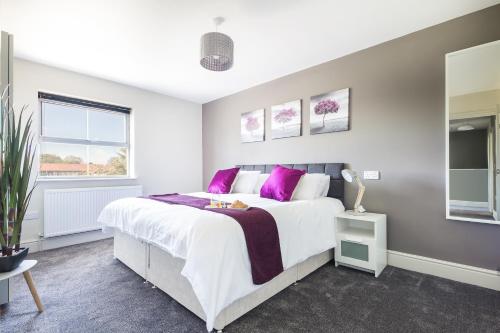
x=397, y=127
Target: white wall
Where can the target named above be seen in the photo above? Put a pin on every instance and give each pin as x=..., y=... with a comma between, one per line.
x=165, y=133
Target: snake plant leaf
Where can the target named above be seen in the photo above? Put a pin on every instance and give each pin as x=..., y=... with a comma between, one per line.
x=16, y=166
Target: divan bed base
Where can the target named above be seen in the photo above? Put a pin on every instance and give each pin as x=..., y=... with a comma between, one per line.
x=164, y=271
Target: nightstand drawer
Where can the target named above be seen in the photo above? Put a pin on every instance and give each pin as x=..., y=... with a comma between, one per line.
x=354, y=250
x=361, y=241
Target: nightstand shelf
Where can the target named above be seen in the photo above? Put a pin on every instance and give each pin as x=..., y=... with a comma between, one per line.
x=361, y=241
x=358, y=232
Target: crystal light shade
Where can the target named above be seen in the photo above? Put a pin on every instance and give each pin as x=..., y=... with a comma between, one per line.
x=216, y=51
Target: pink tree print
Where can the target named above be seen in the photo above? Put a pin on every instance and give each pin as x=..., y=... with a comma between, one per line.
x=252, y=124
x=284, y=116
x=325, y=107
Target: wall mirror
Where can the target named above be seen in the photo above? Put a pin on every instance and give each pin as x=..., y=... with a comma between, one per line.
x=472, y=134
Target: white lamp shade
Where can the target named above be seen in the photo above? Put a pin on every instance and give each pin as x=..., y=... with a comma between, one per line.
x=348, y=175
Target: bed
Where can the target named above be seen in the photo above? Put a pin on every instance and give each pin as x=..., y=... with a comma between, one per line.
x=199, y=257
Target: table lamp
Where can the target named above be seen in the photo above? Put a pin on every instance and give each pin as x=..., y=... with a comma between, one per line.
x=351, y=176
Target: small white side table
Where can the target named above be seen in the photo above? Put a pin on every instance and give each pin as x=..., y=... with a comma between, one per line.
x=362, y=241
x=24, y=268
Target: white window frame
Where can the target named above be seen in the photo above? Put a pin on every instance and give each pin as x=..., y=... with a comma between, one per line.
x=86, y=142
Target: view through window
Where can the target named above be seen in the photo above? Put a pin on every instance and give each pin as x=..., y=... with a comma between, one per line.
x=81, y=138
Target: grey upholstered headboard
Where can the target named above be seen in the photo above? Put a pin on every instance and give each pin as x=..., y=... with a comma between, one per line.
x=333, y=169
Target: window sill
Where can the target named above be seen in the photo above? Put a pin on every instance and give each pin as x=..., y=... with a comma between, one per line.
x=97, y=179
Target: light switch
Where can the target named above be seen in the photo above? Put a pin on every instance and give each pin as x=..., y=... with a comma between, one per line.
x=374, y=175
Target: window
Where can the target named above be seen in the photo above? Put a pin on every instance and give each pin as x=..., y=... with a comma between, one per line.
x=81, y=138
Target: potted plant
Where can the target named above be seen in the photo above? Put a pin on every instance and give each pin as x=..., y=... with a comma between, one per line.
x=17, y=153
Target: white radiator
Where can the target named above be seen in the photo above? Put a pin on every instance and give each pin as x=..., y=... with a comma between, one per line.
x=69, y=211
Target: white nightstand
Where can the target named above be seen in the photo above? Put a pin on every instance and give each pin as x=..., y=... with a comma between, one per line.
x=361, y=241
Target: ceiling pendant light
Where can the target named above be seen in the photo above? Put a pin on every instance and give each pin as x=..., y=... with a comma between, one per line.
x=466, y=127
x=216, y=49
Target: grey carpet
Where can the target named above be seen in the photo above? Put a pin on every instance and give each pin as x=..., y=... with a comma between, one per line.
x=85, y=290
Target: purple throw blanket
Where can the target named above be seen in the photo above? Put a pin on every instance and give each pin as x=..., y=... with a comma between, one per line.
x=259, y=227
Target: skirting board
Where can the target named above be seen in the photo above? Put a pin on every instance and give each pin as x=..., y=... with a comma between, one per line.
x=61, y=241
x=481, y=277
x=449, y=270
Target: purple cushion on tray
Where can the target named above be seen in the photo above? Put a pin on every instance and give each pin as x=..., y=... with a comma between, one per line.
x=281, y=183
x=222, y=181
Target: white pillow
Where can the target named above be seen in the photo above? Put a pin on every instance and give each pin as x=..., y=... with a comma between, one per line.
x=262, y=179
x=325, y=186
x=310, y=186
x=245, y=181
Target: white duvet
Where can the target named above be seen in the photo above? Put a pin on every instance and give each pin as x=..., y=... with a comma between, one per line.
x=213, y=245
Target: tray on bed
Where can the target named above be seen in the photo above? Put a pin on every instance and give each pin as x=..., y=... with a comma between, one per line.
x=242, y=209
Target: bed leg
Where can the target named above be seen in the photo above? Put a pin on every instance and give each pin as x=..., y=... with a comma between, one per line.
x=296, y=282
x=219, y=331
x=153, y=287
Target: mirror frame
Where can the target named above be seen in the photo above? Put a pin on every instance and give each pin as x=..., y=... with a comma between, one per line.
x=447, y=136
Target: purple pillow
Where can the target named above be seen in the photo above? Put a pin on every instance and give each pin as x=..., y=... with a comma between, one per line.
x=222, y=181
x=281, y=183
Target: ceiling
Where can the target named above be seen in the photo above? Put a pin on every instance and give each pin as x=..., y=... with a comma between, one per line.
x=154, y=44
x=474, y=70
